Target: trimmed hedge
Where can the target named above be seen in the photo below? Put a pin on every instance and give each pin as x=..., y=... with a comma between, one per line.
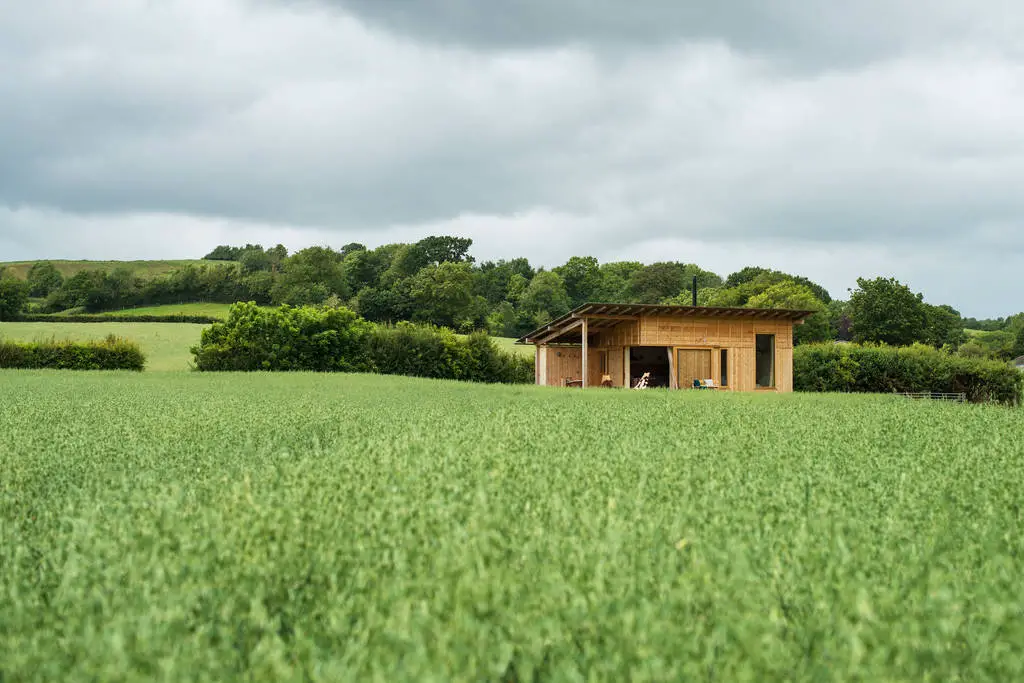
x=174, y=318
x=424, y=351
x=113, y=353
x=337, y=340
x=918, y=368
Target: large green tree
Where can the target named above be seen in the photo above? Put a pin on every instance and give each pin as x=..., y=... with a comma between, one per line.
x=582, y=278
x=545, y=298
x=311, y=276
x=442, y=294
x=794, y=296
x=446, y=249
x=765, y=277
x=615, y=278
x=943, y=326
x=659, y=282
x=885, y=310
x=493, y=279
x=13, y=297
x=44, y=278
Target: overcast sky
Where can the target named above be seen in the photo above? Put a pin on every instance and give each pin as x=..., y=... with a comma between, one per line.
x=833, y=140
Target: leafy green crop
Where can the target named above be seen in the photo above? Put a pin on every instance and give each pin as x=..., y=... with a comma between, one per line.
x=298, y=527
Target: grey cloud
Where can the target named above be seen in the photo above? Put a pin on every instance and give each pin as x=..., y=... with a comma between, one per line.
x=824, y=32
x=605, y=131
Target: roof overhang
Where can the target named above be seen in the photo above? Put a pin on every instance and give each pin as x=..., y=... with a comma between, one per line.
x=565, y=330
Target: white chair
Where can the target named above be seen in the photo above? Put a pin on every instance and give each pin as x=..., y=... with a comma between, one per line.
x=710, y=384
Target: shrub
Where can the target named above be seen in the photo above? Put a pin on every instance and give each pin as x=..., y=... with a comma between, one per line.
x=336, y=339
x=112, y=353
x=918, y=368
x=285, y=338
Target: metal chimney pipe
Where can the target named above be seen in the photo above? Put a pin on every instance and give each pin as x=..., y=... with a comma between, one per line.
x=694, y=290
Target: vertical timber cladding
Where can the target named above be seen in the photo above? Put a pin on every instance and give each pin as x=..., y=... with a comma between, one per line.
x=737, y=337
x=609, y=349
x=562, y=363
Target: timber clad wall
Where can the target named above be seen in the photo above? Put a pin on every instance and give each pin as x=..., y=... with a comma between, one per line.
x=556, y=364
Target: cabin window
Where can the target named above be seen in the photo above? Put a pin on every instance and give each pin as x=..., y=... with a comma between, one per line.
x=724, y=381
x=602, y=361
x=764, y=351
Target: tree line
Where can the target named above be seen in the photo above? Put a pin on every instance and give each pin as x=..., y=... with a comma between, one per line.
x=437, y=281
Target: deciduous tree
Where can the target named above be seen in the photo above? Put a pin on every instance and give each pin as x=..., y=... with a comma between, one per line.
x=13, y=297
x=44, y=278
x=885, y=310
x=794, y=296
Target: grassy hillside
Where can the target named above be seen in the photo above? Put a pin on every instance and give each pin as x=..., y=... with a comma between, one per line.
x=166, y=345
x=334, y=528
x=144, y=268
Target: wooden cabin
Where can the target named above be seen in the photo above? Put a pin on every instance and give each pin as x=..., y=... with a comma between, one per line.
x=738, y=349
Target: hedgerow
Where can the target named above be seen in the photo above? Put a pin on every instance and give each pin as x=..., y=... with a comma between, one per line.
x=918, y=368
x=337, y=340
x=171, y=318
x=112, y=353
x=426, y=351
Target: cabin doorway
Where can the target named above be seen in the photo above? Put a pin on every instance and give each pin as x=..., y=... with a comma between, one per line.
x=694, y=366
x=653, y=360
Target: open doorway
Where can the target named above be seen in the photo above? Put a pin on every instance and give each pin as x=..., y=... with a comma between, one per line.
x=652, y=359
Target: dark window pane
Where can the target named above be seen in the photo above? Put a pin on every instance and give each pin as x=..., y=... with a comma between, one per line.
x=765, y=357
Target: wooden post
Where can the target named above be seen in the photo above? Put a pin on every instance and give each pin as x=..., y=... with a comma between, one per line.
x=536, y=364
x=585, y=352
x=627, y=379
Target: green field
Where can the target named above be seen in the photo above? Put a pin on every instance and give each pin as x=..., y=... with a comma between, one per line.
x=166, y=345
x=212, y=310
x=197, y=527
x=143, y=268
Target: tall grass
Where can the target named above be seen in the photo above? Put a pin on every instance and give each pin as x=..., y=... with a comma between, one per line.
x=228, y=527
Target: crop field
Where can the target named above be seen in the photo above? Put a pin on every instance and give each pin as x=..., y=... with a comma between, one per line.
x=166, y=345
x=187, y=527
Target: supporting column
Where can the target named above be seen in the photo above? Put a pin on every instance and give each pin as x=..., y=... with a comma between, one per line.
x=542, y=365
x=586, y=352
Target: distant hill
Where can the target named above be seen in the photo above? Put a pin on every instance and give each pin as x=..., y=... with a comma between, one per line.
x=145, y=268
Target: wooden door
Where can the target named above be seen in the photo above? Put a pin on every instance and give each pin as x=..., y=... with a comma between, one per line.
x=693, y=364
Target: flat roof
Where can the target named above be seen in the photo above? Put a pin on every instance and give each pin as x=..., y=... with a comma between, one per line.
x=609, y=315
